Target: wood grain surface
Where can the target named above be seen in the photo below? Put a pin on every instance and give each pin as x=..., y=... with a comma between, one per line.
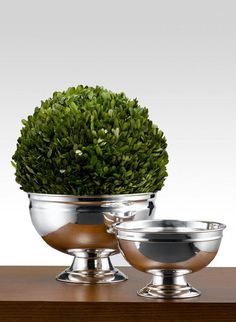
x=33, y=294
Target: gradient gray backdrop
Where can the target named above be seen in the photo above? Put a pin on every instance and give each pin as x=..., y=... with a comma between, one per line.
x=177, y=57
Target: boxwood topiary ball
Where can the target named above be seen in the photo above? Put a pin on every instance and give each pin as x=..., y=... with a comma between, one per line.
x=90, y=141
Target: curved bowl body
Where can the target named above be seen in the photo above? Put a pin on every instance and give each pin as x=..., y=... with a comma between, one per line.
x=74, y=223
x=160, y=245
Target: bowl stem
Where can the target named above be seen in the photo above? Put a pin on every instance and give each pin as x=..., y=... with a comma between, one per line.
x=91, y=266
x=169, y=284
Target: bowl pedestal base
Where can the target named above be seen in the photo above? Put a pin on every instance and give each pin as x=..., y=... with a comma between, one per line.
x=169, y=285
x=91, y=266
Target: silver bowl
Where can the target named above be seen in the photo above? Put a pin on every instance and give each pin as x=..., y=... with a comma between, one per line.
x=77, y=225
x=169, y=249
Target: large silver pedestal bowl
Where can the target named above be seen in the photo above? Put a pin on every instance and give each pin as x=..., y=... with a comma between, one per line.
x=169, y=249
x=77, y=225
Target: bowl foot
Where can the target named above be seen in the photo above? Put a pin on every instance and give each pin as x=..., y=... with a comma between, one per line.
x=91, y=267
x=169, y=287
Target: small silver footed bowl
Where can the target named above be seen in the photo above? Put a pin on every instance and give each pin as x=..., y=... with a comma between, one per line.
x=169, y=249
x=77, y=225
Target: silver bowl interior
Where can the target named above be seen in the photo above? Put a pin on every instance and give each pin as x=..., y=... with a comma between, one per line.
x=151, y=245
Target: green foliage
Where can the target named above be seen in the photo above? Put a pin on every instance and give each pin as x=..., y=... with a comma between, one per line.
x=90, y=141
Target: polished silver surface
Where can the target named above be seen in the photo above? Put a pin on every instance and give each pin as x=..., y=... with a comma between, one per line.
x=169, y=249
x=92, y=266
x=77, y=225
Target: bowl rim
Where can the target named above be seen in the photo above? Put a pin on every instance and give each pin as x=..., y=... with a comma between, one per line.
x=146, y=230
x=92, y=198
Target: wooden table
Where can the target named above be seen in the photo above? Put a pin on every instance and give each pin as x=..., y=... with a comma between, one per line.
x=33, y=294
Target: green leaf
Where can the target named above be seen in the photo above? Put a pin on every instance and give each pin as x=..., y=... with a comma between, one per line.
x=24, y=122
x=13, y=164
x=29, y=169
x=98, y=150
x=49, y=153
x=93, y=160
x=116, y=132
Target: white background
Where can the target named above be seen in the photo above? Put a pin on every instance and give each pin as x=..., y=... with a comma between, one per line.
x=177, y=57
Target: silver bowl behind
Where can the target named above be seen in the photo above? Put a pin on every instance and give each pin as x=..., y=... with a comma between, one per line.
x=77, y=225
x=169, y=249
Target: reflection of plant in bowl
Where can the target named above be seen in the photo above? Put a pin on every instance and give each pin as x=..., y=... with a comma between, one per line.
x=84, y=155
x=90, y=141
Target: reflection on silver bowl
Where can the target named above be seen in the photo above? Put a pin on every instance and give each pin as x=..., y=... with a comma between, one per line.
x=169, y=249
x=77, y=225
